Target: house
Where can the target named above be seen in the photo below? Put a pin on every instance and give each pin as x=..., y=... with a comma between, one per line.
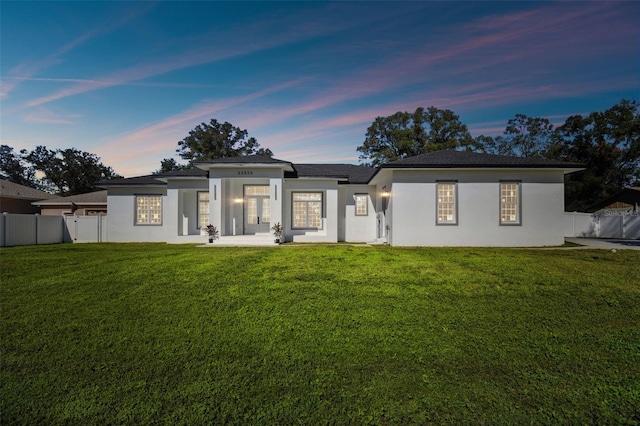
x=625, y=201
x=88, y=204
x=16, y=198
x=444, y=198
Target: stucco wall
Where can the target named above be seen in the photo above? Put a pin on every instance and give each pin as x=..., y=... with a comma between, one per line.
x=414, y=209
x=329, y=231
x=358, y=228
x=121, y=217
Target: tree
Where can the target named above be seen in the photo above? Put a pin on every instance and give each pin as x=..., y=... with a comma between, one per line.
x=405, y=134
x=170, y=165
x=218, y=140
x=523, y=137
x=15, y=169
x=608, y=143
x=69, y=171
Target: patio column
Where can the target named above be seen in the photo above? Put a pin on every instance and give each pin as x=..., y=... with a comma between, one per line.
x=215, y=203
x=276, y=195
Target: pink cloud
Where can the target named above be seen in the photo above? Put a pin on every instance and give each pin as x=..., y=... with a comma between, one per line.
x=46, y=116
x=24, y=72
x=292, y=30
x=161, y=139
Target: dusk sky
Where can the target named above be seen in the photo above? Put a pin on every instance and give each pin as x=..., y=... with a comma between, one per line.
x=128, y=80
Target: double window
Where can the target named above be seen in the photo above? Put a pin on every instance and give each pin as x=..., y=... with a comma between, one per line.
x=203, y=209
x=509, y=203
x=446, y=203
x=148, y=210
x=307, y=209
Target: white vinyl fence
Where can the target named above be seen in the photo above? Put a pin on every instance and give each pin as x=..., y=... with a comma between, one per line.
x=622, y=225
x=28, y=229
x=87, y=229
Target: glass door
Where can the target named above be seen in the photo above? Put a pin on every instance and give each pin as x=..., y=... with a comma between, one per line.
x=257, y=209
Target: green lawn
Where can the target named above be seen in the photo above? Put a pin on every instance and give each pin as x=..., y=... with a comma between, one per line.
x=154, y=333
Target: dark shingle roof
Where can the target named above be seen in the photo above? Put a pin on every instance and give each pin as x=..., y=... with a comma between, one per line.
x=15, y=190
x=466, y=159
x=132, y=181
x=352, y=173
x=89, y=197
x=246, y=159
x=193, y=172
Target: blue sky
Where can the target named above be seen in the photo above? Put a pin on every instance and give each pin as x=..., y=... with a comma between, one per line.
x=128, y=80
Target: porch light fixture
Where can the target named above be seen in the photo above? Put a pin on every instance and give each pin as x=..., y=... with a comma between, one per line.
x=238, y=200
x=385, y=194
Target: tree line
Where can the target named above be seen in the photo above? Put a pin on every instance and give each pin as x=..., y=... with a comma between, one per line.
x=607, y=143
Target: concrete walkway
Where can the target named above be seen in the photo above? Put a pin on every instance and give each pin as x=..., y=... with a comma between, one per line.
x=605, y=243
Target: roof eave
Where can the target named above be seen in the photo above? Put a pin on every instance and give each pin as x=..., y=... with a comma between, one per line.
x=68, y=203
x=211, y=165
x=129, y=185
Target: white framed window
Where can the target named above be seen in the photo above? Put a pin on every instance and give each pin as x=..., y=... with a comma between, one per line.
x=509, y=203
x=362, y=204
x=307, y=209
x=148, y=209
x=446, y=203
x=203, y=209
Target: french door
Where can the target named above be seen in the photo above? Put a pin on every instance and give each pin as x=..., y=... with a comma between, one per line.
x=257, y=209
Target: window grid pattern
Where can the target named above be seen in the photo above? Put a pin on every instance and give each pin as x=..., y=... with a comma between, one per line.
x=362, y=201
x=256, y=190
x=446, y=203
x=203, y=209
x=148, y=210
x=307, y=209
x=252, y=211
x=266, y=210
x=509, y=203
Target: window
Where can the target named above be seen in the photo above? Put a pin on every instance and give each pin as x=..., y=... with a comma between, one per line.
x=203, y=209
x=509, y=203
x=256, y=190
x=446, y=204
x=362, y=204
x=307, y=209
x=148, y=210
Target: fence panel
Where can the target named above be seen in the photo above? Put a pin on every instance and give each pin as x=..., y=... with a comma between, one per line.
x=626, y=226
x=50, y=229
x=87, y=229
x=611, y=227
x=30, y=229
x=20, y=229
x=632, y=227
x=580, y=225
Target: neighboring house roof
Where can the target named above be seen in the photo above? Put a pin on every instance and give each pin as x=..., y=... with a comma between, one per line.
x=468, y=159
x=348, y=172
x=629, y=196
x=15, y=190
x=96, y=197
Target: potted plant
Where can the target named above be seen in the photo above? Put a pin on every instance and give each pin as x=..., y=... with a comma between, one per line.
x=213, y=233
x=277, y=232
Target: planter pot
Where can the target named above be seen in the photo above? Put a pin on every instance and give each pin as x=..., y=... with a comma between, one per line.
x=211, y=240
x=277, y=241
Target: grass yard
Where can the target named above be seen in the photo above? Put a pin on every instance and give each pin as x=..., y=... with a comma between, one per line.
x=155, y=333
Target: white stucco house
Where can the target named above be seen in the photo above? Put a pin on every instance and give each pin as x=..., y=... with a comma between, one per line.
x=444, y=198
